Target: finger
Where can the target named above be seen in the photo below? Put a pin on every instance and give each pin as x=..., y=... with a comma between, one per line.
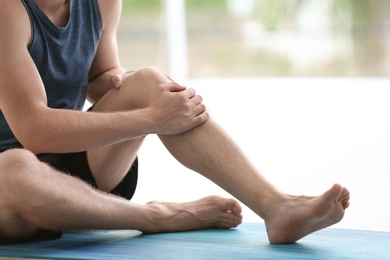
x=200, y=118
x=199, y=109
x=173, y=87
x=196, y=100
x=190, y=93
x=117, y=80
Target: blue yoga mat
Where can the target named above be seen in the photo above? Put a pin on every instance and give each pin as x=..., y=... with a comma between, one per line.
x=248, y=241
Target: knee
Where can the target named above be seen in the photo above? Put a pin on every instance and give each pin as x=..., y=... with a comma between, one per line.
x=135, y=91
x=16, y=158
x=16, y=164
x=150, y=75
x=150, y=71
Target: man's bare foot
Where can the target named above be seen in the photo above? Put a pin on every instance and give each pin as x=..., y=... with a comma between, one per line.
x=297, y=216
x=208, y=212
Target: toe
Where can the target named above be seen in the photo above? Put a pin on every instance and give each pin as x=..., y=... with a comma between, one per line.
x=233, y=206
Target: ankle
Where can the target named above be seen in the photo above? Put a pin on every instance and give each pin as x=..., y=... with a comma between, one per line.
x=269, y=204
x=158, y=218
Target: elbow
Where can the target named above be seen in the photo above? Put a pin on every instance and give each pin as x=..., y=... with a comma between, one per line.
x=34, y=149
x=31, y=128
x=31, y=136
x=32, y=142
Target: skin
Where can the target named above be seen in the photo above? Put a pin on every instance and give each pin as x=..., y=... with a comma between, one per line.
x=129, y=106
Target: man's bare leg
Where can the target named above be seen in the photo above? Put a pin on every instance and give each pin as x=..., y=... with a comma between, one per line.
x=208, y=150
x=110, y=164
x=33, y=196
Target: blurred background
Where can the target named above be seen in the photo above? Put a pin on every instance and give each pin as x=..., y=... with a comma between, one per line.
x=301, y=85
x=255, y=38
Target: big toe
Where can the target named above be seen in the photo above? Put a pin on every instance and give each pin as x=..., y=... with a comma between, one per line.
x=335, y=192
x=233, y=206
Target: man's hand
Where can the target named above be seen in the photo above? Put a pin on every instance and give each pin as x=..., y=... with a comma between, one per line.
x=176, y=109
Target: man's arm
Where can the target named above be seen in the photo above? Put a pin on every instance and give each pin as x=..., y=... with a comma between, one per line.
x=41, y=129
x=106, y=62
x=23, y=99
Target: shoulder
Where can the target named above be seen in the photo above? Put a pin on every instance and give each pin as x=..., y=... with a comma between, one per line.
x=15, y=29
x=111, y=12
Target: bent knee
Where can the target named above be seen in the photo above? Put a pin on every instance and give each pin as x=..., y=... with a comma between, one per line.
x=12, y=163
x=151, y=71
x=16, y=158
x=150, y=75
x=135, y=91
x=15, y=162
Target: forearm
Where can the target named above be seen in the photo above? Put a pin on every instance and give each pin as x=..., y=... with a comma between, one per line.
x=100, y=85
x=60, y=131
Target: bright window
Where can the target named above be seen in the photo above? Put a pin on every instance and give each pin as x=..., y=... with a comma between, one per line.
x=256, y=38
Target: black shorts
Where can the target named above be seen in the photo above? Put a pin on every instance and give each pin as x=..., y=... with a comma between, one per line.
x=76, y=164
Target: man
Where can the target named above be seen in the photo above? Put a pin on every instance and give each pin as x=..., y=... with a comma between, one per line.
x=78, y=170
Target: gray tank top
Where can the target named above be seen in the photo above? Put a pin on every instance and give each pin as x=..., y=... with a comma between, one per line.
x=63, y=57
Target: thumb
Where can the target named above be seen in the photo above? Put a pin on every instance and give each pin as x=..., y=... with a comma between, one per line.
x=117, y=80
